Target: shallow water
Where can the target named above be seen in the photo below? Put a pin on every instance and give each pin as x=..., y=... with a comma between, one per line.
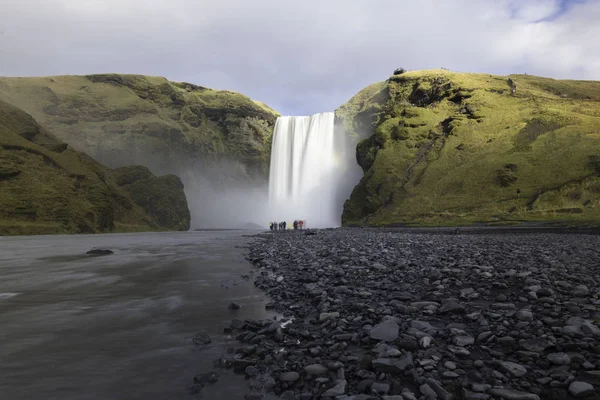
x=120, y=326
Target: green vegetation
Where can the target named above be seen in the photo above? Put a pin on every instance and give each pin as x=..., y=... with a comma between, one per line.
x=118, y=119
x=46, y=187
x=444, y=148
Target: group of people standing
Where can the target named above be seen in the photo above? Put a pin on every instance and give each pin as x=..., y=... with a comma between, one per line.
x=282, y=226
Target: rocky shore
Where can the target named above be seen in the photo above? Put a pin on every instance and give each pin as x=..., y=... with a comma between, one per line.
x=400, y=316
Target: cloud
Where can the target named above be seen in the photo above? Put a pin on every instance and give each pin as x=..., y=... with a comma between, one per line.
x=299, y=57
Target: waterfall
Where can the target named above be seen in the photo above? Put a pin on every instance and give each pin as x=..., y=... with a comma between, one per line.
x=308, y=164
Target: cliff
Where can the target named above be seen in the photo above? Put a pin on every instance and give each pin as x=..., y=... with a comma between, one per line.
x=216, y=141
x=444, y=148
x=47, y=187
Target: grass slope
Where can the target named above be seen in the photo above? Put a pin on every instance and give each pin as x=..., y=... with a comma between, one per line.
x=446, y=148
x=46, y=187
x=124, y=119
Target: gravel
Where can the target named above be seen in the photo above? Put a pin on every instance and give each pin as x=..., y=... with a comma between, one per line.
x=372, y=314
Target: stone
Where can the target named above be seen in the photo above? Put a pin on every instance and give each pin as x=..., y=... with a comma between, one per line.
x=288, y=395
x=450, y=375
x=559, y=358
x=338, y=390
x=379, y=267
x=428, y=392
x=536, y=344
x=234, y=306
x=450, y=365
x=452, y=307
x=201, y=339
x=511, y=394
x=291, y=376
x=439, y=390
x=386, y=331
x=209, y=377
x=99, y=252
x=425, y=342
x=326, y=316
x=516, y=370
x=581, y=389
x=524, y=315
x=251, y=371
x=393, y=365
x=592, y=377
x=459, y=351
x=474, y=395
x=240, y=364
x=463, y=340
x=580, y=290
x=588, y=328
x=468, y=293
x=380, y=388
x=316, y=369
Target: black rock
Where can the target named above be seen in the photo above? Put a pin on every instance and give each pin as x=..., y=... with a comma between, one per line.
x=201, y=339
x=99, y=252
x=209, y=377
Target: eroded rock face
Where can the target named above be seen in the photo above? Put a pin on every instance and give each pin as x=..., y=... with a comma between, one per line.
x=421, y=164
x=415, y=336
x=87, y=197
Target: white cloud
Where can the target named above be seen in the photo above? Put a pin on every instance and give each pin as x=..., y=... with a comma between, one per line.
x=299, y=57
x=535, y=10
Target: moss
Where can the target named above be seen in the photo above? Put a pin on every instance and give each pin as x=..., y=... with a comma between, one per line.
x=448, y=148
x=162, y=199
x=131, y=174
x=46, y=187
x=110, y=116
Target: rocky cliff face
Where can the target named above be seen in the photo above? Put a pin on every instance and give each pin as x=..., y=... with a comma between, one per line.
x=449, y=148
x=47, y=187
x=214, y=140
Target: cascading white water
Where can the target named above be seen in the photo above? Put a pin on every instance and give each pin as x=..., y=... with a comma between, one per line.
x=307, y=167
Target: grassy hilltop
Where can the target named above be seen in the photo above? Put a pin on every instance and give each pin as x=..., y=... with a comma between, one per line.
x=448, y=148
x=125, y=119
x=46, y=187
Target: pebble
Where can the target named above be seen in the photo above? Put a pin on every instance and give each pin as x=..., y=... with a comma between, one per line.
x=373, y=312
x=338, y=390
x=559, y=358
x=292, y=376
x=316, y=369
x=581, y=389
x=386, y=331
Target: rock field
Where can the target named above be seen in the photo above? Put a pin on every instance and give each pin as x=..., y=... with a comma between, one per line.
x=402, y=316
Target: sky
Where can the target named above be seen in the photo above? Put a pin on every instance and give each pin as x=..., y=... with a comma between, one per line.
x=299, y=57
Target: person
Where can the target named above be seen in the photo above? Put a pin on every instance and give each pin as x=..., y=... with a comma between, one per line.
x=300, y=223
x=284, y=225
x=275, y=225
x=295, y=224
x=271, y=225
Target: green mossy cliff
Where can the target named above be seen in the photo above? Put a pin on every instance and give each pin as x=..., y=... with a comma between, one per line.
x=133, y=119
x=444, y=148
x=46, y=187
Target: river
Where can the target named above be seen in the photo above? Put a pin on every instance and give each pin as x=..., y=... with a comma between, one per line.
x=120, y=326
